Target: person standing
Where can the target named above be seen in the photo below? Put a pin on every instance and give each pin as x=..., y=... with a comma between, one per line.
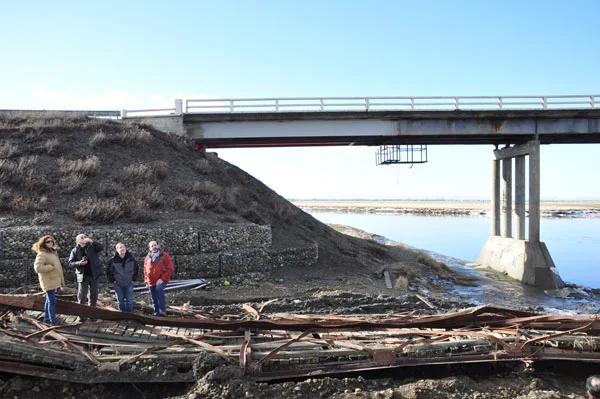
x=158, y=268
x=50, y=273
x=88, y=268
x=122, y=270
x=592, y=385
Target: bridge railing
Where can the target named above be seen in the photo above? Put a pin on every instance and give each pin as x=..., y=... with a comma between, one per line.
x=391, y=103
x=323, y=104
x=176, y=110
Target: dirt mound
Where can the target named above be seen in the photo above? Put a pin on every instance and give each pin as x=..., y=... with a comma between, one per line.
x=66, y=170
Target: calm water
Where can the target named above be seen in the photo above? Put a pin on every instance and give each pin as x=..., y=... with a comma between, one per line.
x=574, y=243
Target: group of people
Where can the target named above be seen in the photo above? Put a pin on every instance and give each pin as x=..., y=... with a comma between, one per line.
x=122, y=270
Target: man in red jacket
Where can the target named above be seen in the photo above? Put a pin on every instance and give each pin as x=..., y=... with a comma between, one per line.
x=158, y=268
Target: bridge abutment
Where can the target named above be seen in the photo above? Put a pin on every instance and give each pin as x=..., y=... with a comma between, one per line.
x=171, y=123
x=526, y=260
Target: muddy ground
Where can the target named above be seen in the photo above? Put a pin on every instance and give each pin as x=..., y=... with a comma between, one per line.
x=467, y=381
x=502, y=381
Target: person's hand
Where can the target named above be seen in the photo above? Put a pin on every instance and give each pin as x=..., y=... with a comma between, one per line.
x=115, y=281
x=88, y=240
x=159, y=281
x=83, y=262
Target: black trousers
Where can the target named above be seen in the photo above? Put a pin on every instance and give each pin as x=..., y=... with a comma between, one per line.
x=88, y=285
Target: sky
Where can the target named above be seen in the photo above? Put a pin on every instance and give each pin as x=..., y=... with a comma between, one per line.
x=144, y=54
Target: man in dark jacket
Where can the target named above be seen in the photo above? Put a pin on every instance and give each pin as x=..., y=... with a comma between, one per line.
x=592, y=386
x=122, y=270
x=88, y=268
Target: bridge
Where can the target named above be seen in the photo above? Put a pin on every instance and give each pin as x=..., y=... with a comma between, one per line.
x=380, y=120
x=518, y=124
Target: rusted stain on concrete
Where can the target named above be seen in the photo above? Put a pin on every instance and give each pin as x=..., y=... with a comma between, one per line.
x=497, y=125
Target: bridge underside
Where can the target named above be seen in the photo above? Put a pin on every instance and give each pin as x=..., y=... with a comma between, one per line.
x=387, y=140
x=280, y=129
x=393, y=127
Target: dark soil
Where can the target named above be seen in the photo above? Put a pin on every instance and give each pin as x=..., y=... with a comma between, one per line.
x=438, y=382
x=215, y=380
x=61, y=170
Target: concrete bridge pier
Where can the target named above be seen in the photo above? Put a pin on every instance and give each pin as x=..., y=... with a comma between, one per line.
x=526, y=260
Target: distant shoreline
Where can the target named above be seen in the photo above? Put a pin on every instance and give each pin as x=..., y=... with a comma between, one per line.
x=589, y=208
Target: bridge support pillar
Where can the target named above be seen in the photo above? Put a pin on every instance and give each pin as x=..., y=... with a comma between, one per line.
x=528, y=261
x=507, y=197
x=495, y=197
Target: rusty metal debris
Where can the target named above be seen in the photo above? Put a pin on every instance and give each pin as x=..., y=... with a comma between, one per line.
x=269, y=346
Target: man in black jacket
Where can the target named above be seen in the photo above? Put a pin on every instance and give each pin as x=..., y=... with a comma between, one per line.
x=592, y=386
x=88, y=268
x=122, y=270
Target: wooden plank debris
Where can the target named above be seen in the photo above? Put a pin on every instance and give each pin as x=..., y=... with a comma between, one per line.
x=388, y=280
x=277, y=345
x=425, y=301
x=251, y=310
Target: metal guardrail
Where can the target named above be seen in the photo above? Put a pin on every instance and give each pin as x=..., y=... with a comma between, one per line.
x=176, y=110
x=148, y=112
x=323, y=104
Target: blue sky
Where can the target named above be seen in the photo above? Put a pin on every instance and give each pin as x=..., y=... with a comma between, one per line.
x=111, y=55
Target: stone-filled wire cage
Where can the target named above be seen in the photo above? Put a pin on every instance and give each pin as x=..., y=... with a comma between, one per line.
x=401, y=154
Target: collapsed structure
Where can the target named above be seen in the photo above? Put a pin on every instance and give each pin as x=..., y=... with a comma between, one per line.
x=128, y=347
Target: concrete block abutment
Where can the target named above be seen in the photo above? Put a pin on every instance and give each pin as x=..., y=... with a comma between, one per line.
x=526, y=261
x=197, y=252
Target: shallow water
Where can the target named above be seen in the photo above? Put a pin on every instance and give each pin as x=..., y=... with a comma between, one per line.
x=499, y=290
x=574, y=243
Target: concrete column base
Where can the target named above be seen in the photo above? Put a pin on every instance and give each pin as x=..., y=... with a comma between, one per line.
x=526, y=261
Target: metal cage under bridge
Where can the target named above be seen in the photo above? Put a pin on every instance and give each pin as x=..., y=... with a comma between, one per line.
x=401, y=154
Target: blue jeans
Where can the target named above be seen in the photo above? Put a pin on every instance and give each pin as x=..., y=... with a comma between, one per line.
x=50, y=307
x=124, y=297
x=157, y=292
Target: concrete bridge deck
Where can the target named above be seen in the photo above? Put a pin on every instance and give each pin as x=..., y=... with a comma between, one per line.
x=256, y=129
